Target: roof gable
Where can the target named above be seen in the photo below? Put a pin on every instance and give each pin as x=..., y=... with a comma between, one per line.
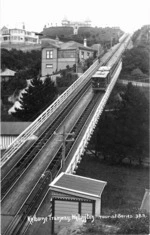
x=4, y=28
x=48, y=42
x=71, y=45
x=75, y=45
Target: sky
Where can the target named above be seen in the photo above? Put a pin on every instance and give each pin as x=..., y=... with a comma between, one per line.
x=129, y=15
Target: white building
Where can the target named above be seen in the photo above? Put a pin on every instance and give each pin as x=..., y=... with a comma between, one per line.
x=17, y=35
x=76, y=24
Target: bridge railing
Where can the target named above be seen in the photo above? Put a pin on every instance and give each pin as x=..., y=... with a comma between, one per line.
x=90, y=128
x=134, y=83
x=92, y=124
x=30, y=130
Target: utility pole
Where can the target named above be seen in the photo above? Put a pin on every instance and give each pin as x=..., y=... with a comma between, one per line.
x=76, y=60
x=64, y=135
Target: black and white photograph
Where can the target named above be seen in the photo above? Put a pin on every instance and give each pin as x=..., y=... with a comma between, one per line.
x=75, y=81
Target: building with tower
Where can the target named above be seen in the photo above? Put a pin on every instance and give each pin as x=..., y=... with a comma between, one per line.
x=76, y=24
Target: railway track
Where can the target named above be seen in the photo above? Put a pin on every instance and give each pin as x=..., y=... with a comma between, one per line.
x=40, y=189
x=22, y=165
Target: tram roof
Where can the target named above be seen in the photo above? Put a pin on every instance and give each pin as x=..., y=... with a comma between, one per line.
x=100, y=74
x=104, y=68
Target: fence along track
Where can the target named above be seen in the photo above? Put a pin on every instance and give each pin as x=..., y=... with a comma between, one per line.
x=90, y=129
x=21, y=166
x=30, y=130
x=30, y=207
x=42, y=186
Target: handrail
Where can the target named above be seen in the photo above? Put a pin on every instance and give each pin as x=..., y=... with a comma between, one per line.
x=134, y=83
x=30, y=130
x=90, y=128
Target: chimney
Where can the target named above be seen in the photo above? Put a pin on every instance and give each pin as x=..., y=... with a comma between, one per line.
x=85, y=42
x=57, y=39
x=23, y=26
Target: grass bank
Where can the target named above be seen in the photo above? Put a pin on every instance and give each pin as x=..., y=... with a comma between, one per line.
x=125, y=184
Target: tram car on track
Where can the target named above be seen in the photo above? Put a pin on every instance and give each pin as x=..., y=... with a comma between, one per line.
x=101, y=78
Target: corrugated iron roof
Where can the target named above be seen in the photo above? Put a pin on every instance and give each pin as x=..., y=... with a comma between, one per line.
x=47, y=42
x=13, y=128
x=78, y=184
x=74, y=45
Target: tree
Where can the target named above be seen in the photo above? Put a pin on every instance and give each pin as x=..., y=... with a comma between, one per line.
x=137, y=57
x=125, y=133
x=133, y=121
x=87, y=63
x=18, y=60
x=35, y=99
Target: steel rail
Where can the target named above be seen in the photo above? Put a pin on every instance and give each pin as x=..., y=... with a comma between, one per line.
x=90, y=129
x=49, y=175
x=8, y=182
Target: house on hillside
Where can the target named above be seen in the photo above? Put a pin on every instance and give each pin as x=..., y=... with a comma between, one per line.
x=57, y=55
x=7, y=74
x=18, y=36
x=98, y=47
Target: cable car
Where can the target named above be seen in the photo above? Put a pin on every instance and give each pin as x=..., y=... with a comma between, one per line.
x=101, y=78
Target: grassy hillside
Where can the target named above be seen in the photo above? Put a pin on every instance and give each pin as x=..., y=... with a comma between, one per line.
x=122, y=195
x=125, y=185
x=136, y=60
x=142, y=36
x=57, y=31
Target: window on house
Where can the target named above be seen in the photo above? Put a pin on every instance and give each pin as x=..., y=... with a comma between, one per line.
x=49, y=54
x=82, y=54
x=88, y=54
x=66, y=54
x=49, y=66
